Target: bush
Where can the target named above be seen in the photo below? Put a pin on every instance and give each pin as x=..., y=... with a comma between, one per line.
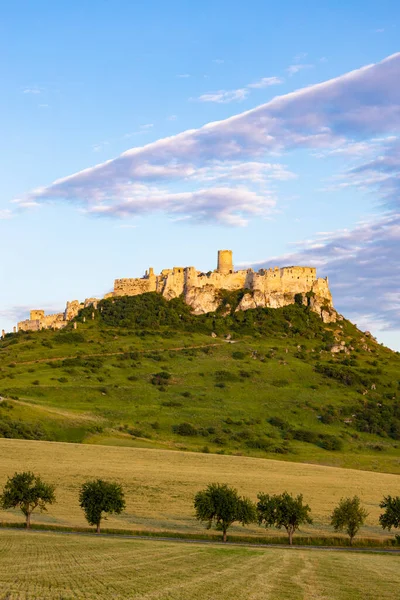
x=172, y=403
x=185, y=429
x=330, y=442
x=237, y=355
x=224, y=376
x=161, y=378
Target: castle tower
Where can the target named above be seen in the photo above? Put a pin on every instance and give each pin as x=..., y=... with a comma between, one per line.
x=225, y=264
x=36, y=315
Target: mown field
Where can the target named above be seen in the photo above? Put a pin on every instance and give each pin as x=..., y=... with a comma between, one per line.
x=141, y=374
x=160, y=485
x=38, y=566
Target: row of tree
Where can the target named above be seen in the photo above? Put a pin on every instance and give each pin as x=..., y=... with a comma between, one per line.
x=218, y=504
x=28, y=492
x=222, y=505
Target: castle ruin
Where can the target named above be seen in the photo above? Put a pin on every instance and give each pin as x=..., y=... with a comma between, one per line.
x=273, y=287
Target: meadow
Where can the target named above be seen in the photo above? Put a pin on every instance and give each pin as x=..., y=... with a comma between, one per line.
x=155, y=382
x=160, y=486
x=39, y=566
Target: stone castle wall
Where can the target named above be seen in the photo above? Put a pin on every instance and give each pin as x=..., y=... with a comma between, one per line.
x=274, y=287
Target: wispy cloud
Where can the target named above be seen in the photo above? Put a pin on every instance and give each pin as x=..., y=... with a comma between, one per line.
x=183, y=76
x=218, y=61
x=224, y=97
x=100, y=146
x=363, y=269
x=32, y=90
x=172, y=118
x=5, y=213
x=356, y=107
x=293, y=69
x=265, y=82
x=227, y=205
x=142, y=129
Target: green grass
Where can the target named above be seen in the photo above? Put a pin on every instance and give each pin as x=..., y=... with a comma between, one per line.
x=37, y=566
x=228, y=392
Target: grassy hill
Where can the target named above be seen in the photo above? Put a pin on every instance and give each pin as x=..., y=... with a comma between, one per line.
x=147, y=373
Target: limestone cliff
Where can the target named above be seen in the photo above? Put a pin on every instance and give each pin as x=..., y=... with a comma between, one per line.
x=274, y=288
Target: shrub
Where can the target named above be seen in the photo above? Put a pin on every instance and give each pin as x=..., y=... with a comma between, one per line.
x=237, y=355
x=161, y=378
x=172, y=404
x=185, y=429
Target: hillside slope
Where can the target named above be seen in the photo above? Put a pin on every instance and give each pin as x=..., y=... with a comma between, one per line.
x=146, y=372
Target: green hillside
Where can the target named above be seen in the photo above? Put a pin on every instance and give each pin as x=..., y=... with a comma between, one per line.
x=146, y=372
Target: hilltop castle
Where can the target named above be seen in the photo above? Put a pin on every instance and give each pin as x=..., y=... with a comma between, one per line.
x=267, y=288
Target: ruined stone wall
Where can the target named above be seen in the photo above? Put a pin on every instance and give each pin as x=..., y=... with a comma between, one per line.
x=133, y=287
x=274, y=287
x=55, y=321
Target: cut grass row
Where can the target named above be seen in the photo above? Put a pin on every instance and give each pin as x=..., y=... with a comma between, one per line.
x=37, y=566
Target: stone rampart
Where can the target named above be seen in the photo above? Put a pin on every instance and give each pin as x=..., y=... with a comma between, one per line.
x=273, y=287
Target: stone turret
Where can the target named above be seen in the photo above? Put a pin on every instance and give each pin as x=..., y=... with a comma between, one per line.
x=225, y=264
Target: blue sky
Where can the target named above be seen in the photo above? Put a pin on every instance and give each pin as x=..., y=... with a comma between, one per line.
x=269, y=128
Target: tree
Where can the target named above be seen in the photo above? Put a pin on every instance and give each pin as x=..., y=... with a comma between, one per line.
x=27, y=491
x=349, y=515
x=98, y=497
x=391, y=517
x=283, y=510
x=222, y=505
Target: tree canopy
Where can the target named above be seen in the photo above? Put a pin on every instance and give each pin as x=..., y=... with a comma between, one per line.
x=283, y=510
x=391, y=516
x=27, y=491
x=98, y=497
x=222, y=505
x=349, y=516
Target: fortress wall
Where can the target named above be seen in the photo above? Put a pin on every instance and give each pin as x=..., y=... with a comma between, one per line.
x=174, y=284
x=272, y=287
x=229, y=281
x=29, y=325
x=132, y=287
x=55, y=321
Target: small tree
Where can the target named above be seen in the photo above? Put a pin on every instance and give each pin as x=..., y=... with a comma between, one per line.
x=221, y=504
x=98, y=497
x=391, y=517
x=283, y=510
x=27, y=491
x=349, y=515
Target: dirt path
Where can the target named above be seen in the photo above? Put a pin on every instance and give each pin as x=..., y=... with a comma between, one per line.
x=42, y=360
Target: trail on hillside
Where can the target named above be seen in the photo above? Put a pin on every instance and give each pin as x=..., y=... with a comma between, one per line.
x=41, y=360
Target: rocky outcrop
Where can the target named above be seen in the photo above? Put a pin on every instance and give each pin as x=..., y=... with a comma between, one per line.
x=272, y=288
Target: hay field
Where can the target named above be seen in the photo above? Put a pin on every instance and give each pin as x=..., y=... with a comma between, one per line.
x=38, y=566
x=160, y=484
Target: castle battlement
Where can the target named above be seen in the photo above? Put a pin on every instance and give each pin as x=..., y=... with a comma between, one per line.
x=273, y=287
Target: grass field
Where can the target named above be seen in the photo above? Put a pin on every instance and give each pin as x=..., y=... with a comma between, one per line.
x=107, y=393
x=37, y=566
x=160, y=485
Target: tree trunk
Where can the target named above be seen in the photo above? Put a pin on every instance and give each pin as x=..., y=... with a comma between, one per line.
x=28, y=520
x=98, y=527
x=290, y=537
x=224, y=535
